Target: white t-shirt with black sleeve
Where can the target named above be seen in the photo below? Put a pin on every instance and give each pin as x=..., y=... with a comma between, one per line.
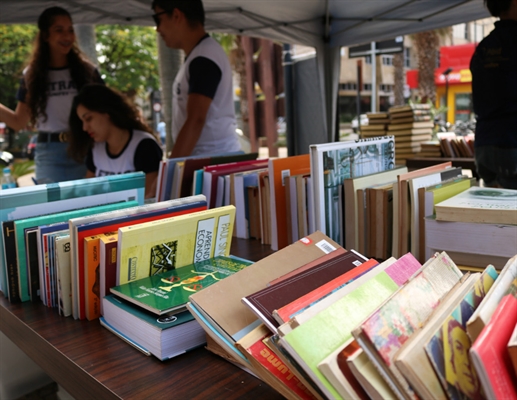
x=207, y=71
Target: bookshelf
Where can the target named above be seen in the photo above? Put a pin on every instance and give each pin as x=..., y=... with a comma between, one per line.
x=90, y=362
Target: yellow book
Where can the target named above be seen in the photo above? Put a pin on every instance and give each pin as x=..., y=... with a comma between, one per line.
x=157, y=246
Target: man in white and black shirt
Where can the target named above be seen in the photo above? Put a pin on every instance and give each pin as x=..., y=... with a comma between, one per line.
x=202, y=93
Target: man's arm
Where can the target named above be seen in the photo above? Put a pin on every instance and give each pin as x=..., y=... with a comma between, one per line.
x=197, y=109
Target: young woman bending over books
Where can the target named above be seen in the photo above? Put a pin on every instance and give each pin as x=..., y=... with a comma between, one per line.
x=106, y=128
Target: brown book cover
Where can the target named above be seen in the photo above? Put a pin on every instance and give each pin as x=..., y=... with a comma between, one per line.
x=265, y=301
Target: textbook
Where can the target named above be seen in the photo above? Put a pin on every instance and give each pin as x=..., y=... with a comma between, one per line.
x=25, y=202
x=155, y=247
x=164, y=336
x=170, y=291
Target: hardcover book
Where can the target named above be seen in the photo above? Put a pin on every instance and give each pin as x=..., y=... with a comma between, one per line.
x=476, y=204
x=170, y=291
x=107, y=263
x=164, y=336
x=331, y=163
x=19, y=203
x=266, y=300
x=155, y=247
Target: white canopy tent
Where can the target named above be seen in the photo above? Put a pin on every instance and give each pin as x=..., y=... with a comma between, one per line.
x=325, y=25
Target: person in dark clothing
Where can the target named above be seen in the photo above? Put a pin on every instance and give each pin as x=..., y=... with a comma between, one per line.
x=494, y=92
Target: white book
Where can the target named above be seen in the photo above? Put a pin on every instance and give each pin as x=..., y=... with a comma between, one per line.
x=331, y=163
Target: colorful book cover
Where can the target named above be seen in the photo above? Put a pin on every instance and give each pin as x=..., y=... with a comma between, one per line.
x=108, y=222
x=279, y=168
x=170, y=291
x=19, y=203
x=393, y=323
x=22, y=224
x=154, y=247
x=331, y=163
x=449, y=346
x=312, y=341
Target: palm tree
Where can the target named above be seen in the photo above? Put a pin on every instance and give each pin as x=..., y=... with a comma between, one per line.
x=398, y=78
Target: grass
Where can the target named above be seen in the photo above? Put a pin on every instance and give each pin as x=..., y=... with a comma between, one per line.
x=20, y=168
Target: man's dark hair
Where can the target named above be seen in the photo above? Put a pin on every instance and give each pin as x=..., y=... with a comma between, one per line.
x=193, y=9
x=497, y=7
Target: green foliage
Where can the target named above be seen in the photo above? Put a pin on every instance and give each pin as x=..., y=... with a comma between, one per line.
x=226, y=40
x=16, y=48
x=128, y=57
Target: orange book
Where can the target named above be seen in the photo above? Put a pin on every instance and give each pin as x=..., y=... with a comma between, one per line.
x=92, y=276
x=278, y=169
x=284, y=314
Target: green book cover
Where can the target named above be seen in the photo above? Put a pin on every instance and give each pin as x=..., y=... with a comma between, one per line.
x=170, y=291
x=21, y=225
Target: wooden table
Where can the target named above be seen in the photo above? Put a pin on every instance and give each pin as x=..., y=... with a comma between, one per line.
x=89, y=362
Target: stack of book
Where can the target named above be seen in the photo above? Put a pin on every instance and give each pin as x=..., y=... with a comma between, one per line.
x=377, y=123
x=430, y=149
x=314, y=320
x=411, y=125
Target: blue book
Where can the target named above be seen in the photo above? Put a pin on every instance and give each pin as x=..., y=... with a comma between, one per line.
x=164, y=336
x=29, y=201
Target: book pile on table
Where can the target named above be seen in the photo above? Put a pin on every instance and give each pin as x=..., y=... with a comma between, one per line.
x=455, y=146
x=411, y=125
x=377, y=123
x=314, y=320
x=430, y=149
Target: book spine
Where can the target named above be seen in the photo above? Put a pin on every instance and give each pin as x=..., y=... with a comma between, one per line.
x=11, y=260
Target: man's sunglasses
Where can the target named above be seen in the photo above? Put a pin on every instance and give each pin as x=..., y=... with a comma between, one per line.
x=156, y=19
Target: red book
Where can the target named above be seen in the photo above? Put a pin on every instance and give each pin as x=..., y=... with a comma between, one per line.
x=489, y=353
x=284, y=313
x=265, y=301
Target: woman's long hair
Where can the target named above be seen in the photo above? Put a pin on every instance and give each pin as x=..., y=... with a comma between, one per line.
x=102, y=99
x=36, y=78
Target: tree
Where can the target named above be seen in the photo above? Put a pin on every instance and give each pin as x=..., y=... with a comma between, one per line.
x=128, y=57
x=16, y=49
x=398, y=78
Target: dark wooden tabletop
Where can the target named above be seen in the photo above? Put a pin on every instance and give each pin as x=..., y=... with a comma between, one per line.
x=92, y=363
